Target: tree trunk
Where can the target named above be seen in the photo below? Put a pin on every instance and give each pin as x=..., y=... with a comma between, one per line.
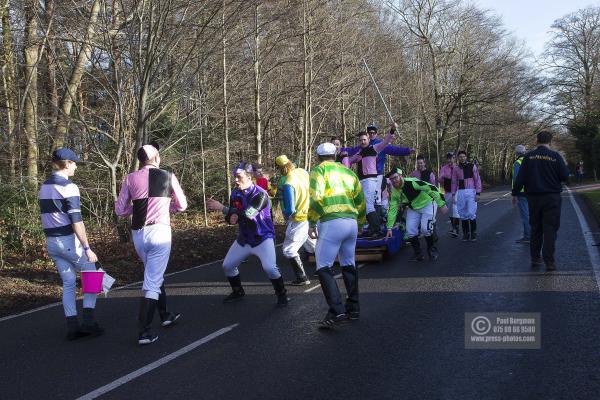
x=49, y=53
x=305, y=86
x=8, y=84
x=69, y=97
x=225, y=105
x=257, y=114
x=202, y=158
x=31, y=51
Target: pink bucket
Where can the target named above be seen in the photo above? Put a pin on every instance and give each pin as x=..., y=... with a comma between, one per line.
x=91, y=281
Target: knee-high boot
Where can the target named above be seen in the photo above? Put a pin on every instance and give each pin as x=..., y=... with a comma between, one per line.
x=280, y=291
x=331, y=291
x=431, y=249
x=237, y=289
x=301, y=278
x=374, y=224
x=473, y=224
x=167, y=318
x=350, y=275
x=466, y=229
x=145, y=317
x=416, y=245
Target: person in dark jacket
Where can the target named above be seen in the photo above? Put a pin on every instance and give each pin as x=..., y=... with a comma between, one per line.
x=541, y=174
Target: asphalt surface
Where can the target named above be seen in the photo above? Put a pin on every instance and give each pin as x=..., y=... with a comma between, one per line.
x=408, y=344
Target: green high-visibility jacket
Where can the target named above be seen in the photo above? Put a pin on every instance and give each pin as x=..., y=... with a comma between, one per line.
x=414, y=193
x=515, y=172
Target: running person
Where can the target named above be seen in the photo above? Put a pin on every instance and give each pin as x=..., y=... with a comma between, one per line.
x=149, y=195
x=466, y=189
x=67, y=241
x=422, y=199
x=295, y=210
x=446, y=181
x=337, y=204
x=249, y=208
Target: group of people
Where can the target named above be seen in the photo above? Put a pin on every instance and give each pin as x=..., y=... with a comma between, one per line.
x=325, y=211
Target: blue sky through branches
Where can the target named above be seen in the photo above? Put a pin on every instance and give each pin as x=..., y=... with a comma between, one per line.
x=530, y=20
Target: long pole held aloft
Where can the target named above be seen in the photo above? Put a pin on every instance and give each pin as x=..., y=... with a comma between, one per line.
x=378, y=91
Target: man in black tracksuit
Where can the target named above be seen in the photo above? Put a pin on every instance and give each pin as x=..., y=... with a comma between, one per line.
x=541, y=174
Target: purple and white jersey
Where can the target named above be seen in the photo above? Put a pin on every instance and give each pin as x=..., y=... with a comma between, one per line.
x=59, y=205
x=254, y=215
x=367, y=158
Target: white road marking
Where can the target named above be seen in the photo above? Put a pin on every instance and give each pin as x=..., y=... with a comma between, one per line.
x=499, y=233
x=170, y=357
x=589, y=239
x=497, y=198
x=58, y=303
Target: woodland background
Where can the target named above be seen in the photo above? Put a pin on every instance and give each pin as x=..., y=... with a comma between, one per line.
x=216, y=82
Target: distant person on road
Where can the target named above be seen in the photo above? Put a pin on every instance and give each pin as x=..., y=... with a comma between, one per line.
x=295, y=211
x=422, y=200
x=337, y=204
x=541, y=174
x=149, y=195
x=519, y=199
x=423, y=172
x=579, y=172
x=466, y=189
x=249, y=208
x=445, y=179
x=67, y=241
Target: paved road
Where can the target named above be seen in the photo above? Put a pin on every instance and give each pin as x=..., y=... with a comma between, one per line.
x=409, y=343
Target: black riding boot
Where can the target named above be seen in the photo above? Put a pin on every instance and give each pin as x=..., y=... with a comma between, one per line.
x=416, y=245
x=280, y=291
x=350, y=275
x=301, y=278
x=431, y=249
x=473, y=230
x=374, y=224
x=145, y=317
x=238, y=290
x=167, y=318
x=89, y=325
x=73, y=329
x=465, y=229
x=455, y=226
x=337, y=312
